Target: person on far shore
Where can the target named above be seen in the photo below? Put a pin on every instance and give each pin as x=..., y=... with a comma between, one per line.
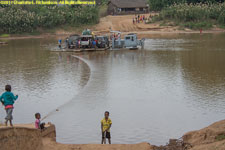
x=78, y=43
x=106, y=124
x=94, y=44
x=38, y=124
x=7, y=99
x=60, y=43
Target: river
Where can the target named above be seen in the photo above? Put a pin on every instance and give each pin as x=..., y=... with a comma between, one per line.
x=175, y=85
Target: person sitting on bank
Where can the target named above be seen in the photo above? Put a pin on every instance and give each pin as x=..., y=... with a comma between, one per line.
x=7, y=99
x=38, y=124
x=106, y=124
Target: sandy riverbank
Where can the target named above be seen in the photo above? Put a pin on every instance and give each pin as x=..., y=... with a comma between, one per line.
x=125, y=24
x=26, y=137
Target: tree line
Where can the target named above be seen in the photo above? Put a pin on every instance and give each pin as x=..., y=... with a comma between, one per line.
x=28, y=18
x=157, y=5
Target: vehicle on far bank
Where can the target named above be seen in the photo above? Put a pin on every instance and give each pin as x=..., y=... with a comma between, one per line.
x=72, y=41
x=102, y=41
x=130, y=41
x=86, y=41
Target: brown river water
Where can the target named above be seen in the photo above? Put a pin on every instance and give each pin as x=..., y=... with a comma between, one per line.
x=176, y=84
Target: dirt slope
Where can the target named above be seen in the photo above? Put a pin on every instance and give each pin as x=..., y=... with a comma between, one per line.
x=207, y=138
x=124, y=24
x=20, y=138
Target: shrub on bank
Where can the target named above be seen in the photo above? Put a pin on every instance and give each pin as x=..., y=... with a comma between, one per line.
x=27, y=18
x=198, y=25
x=13, y=20
x=221, y=18
x=194, y=15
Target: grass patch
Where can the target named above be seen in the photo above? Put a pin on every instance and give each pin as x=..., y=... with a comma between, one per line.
x=168, y=23
x=4, y=35
x=220, y=137
x=163, y=24
x=222, y=26
x=190, y=25
x=198, y=25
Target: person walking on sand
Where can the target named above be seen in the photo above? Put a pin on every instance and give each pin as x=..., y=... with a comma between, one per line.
x=8, y=99
x=106, y=124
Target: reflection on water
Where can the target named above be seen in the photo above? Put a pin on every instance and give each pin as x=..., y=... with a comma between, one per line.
x=166, y=44
x=173, y=86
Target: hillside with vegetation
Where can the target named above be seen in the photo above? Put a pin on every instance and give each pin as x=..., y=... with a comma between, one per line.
x=30, y=18
x=194, y=14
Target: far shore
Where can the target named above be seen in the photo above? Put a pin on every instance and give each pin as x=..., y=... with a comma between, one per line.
x=123, y=24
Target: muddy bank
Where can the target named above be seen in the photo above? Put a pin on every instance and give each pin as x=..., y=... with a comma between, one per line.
x=17, y=37
x=209, y=138
x=20, y=138
x=26, y=137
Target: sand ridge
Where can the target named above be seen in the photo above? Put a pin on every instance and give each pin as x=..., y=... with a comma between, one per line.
x=26, y=137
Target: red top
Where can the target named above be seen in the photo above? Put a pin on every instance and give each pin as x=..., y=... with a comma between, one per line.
x=8, y=106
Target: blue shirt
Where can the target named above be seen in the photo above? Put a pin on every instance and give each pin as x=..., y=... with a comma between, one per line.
x=8, y=98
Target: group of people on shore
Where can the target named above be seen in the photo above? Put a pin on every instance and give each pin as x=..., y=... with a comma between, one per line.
x=141, y=19
x=8, y=99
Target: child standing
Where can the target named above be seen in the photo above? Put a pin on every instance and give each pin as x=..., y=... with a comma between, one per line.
x=105, y=126
x=38, y=124
x=8, y=100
